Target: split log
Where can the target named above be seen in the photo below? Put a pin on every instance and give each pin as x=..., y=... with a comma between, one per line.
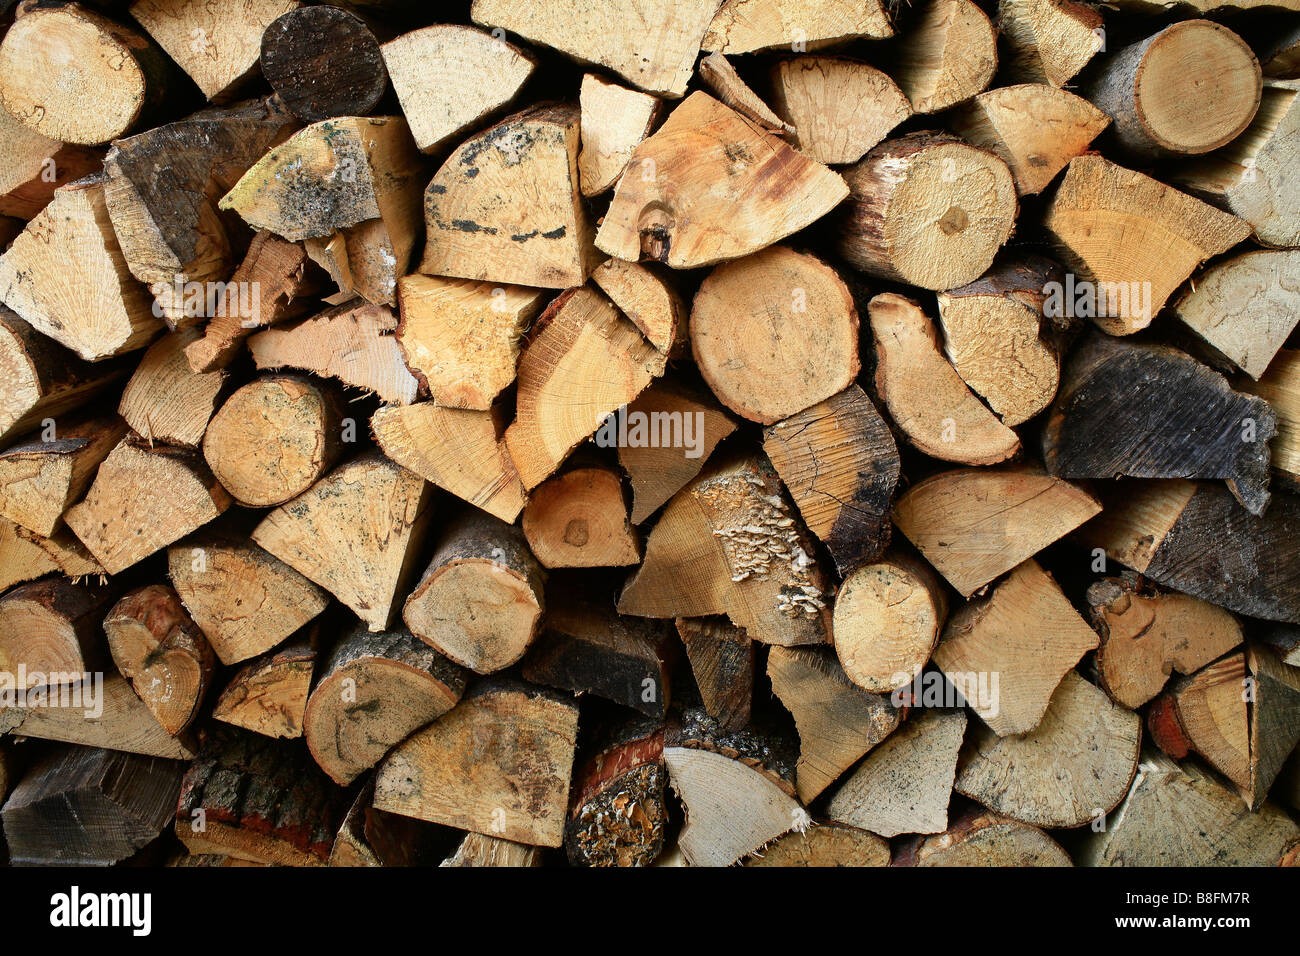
x=161, y=651
x=1143, y=88
x=480, y=600
x=1048, y=41
x=480, y=850
x=579, y=519
x=431, y=68
x=374, y=691
x=280, y=275
x=57, y=60
x=717, y=73
x=142, y=500
x=927, y=209
x=831, y=844
x=26, y=556
x=273, y=439
x=614, y=122
x=167, y=401
x=648, y=299
x=838, y=108
x=40, y=480
x=774, y=333
x=924, y=394
x=36, y=166
x=322, y=62
x=1028, y=634
x=244, y=600
x=946, y=56
x=216, y=45
x=352, y=343
x=258, y=799
x=1007, y=516
x=721, y=656
x=1280, y=387
x=1245, y=307
x=904, y=784
x=617, y=812
x=1147, y=634
x=1248, y=177
x=658, y=56
x=461, y=339
x=660, y=467
x=747, y=26
x=994, y=335
x=113, y=313
x=1072, y=769
x=888, y=617
x=729, y=543
x=541, y=239
x=80, y=806
x=1274, y=717
x=1134, y=266
x=981, y=838
x=582, y=349
x=1148, y=411
x=356, y=533
x=839, y=461
x=1195, y=537
x=710, y=185
x=268, y=695
x=837, y=721
x=497, y=763
x=459, y=450
x=49, y=630
x=1034, y=128
x=1179, y=815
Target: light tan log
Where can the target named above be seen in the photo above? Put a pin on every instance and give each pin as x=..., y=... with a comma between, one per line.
x=1048, y=41
x=948, y=55
x=981, y=838
x=649, y=299
x=579, y=519
x=268, y=695
x=36, y=166
x=747, y=26
x=839, y=108
x=50, y=630
x=167, y=401
x=1280, y=387
x=26, y=556
x=614, y=122
x=717, y=73
x=827, y=844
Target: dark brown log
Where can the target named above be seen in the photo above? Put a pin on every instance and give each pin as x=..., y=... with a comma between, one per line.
x=721, y=656
x=323, y=62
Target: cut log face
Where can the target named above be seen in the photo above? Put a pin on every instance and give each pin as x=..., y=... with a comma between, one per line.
x=1048, y=41
x=774, y=333
x=831, y=844
x=1195, y=537
x=544, y=238
x=462, y=339
x=839, y=108
x=497, y=763
x=711, y=185
x=26, y=556
x=1028, y=634
x=50, y=630
x=614, y=122
x=747, y=26
x=840, y=463
x=729, y=544
x=905, y=784
x=356, y=533
x=1133, y=238
x=374, y=691
x=927, y=209
x=430, y=69
x=1180, y=815
x=268, y=695
x=480, y=850
x=1073, y=768
x=647, y=298
x=244, y=600
x=1007, y=516
x=584, y=362
x=948, y=55
x=97, y=310
x=721, y=656
x=579, y=519
x=40, y=480
x=480, y=601
x=142, y=500
x=1245, y=306
x=658, y=56
x=218, y=47
x=985, y=839
x=1280, y=387
x=322, y=62
x=923, y=393
x=36, y=166
x=162, y=652
x=1147, y=634
x=837, y=721
x=1143, y=88
x=1148, y=411
x=165, y=400
x=1034, y=128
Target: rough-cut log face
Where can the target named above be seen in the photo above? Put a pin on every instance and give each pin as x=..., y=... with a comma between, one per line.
x=744, y=26
x=839, y=108
x=614, y=121
x=948, y=55
x=985, y=839
x=1048, y=41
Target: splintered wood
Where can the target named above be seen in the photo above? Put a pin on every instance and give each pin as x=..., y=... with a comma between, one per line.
x=526, y=433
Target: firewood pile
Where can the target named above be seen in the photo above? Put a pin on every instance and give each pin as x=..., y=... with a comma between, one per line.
x=621, y=432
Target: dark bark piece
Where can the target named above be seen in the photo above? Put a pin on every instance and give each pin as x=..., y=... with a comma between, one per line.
x=721, y=656
x=618, y=813
x=324, y=62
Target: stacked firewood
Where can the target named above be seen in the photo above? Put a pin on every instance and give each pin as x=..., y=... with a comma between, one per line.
x=622, y=432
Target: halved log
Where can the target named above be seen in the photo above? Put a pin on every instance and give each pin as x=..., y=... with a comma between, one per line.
x=717, y=73
x=478, y=849
x=268, y=695
x=829, y=844
x=946, y=56
x=49, y=633
x=746, y=26
x=614, y=122
x=579, y=519
x=839, y=108
x=1048, y=41
x=167, y=401
x=648, y=298
x=26, y=556
x=36, y=166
